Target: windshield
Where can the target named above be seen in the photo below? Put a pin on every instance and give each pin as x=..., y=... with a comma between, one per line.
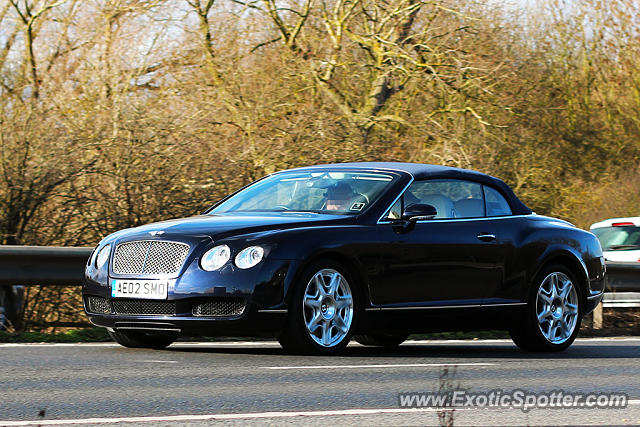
x=329, y=192
x=618, y=238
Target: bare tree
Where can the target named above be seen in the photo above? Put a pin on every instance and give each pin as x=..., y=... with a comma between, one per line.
x=29, y=15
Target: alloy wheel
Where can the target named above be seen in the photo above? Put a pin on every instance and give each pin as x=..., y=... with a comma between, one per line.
x=557, y=307
x=328, y=307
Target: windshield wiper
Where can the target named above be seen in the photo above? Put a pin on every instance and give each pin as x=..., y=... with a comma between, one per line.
x=622, y=247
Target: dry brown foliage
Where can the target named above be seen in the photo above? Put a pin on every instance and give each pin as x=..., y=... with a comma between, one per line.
x=114, y=113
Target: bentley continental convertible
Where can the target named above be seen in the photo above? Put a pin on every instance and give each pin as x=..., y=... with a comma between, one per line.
x=320, y=255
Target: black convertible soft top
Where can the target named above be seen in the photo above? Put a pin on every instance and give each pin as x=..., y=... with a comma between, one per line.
x=421, y=171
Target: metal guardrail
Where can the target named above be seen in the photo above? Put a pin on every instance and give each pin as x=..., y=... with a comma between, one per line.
x=42, y=265
x=623, y=276
x=621, y=299
x=64, y=265
x=623, y=285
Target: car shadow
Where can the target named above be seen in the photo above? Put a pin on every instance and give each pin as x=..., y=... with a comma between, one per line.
x=442, y=351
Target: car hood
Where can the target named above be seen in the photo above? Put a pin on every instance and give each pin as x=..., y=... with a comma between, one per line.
x=220, y=226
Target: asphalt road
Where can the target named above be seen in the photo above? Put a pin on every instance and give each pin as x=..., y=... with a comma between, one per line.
x=256, y=383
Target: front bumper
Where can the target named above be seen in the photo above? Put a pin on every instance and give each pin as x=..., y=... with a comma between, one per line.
x=251, y=323
x=592, y=302
x=260, y=290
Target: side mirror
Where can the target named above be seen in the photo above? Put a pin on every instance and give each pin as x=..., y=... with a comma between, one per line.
x=418, y=211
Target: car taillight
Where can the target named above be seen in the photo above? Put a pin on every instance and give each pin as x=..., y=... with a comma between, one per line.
x=622, y=224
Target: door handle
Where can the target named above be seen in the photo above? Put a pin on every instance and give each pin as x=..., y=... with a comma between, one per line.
x=486, y=237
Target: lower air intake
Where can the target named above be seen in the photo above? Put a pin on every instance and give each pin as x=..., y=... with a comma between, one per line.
x=219, y=307
x=98, y=305
x=148, y=307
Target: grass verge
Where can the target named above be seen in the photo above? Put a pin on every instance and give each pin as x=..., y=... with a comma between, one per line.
x=73, y=336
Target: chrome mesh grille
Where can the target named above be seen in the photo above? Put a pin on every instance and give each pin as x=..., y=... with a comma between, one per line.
x=129, y=257
x=219, y=307
x=149, y=307
x=165, y=257
x=149, y=257
x=98, y=305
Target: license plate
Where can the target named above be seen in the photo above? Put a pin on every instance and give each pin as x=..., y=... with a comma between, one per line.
x=135, y=288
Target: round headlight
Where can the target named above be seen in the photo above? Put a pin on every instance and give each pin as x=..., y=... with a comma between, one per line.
x=103, y=256
x=249, y=257
x=215, y=258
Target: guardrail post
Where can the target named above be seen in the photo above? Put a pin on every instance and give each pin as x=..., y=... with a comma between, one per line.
x=597, y=317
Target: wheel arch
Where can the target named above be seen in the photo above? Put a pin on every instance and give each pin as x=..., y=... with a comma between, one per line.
x=350, y=263
x=572, y=261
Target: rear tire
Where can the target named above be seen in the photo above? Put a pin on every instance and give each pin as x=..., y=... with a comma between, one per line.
x=322, y=311
x=381, y=340
x=553, y=313
x=136, y=339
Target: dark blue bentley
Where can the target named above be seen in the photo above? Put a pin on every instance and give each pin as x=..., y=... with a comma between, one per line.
x=374, y=251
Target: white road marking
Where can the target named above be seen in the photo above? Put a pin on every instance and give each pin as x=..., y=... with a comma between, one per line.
x=155, y=361
x=275, y=344
x=48, y=344
x=471, y=341
x=405, y=365
x=227, y=344
x=608, y=339
x=179, y=344
x=245, y=416
x=509, y=341
x=250, y=415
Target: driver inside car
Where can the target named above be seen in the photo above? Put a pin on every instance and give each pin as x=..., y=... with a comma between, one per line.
x=341, y=197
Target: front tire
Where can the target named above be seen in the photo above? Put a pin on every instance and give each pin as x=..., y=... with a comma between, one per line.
x=553, y=314
x=322, y=311
x=136, y=339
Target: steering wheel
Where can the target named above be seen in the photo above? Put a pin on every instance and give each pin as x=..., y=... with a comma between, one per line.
x=364, y=196
x=282, y=208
